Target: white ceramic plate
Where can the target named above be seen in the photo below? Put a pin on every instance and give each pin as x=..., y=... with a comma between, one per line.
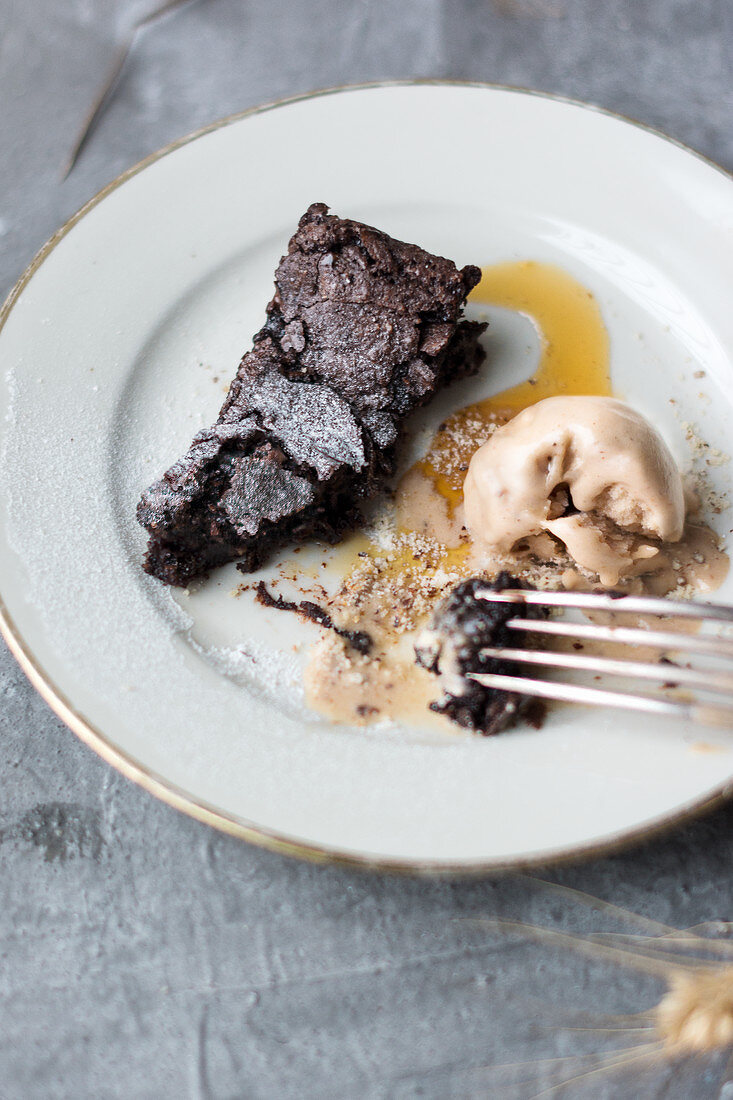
x=110, y=346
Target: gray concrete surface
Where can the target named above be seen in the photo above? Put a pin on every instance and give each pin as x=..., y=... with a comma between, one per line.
x=143, y=955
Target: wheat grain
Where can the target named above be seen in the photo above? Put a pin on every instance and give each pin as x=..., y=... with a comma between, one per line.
x=693, y=1017
x=696, y=1013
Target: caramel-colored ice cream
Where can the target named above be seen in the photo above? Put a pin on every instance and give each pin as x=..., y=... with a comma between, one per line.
x=590, y=471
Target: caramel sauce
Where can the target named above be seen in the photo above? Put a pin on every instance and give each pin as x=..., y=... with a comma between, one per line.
x=574, y=360
x=575, y=349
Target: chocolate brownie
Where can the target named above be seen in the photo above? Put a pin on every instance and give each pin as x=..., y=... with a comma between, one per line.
x=362, y=330
x=451, y=648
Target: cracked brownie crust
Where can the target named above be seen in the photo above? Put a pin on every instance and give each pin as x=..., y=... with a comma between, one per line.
x=361, y=331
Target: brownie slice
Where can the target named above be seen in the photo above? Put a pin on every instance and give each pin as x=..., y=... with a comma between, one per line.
x=362, y=330
x=451, y=648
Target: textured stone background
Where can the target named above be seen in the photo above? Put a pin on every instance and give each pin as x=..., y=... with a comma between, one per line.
x=144, y=955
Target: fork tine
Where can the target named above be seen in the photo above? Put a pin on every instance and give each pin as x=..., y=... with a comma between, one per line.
x=655, y=639
x=707, y=714
x=599, y=601
x=711, y=679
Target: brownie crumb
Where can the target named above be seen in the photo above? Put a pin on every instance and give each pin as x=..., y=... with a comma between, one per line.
x=451, y=648
x=357, y=639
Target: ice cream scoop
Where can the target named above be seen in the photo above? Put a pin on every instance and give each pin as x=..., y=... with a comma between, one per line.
x=591, y=471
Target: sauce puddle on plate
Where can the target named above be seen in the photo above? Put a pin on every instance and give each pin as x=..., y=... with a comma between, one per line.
x=574, y=360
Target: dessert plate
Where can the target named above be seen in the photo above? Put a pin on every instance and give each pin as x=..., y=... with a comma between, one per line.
x=116, y=346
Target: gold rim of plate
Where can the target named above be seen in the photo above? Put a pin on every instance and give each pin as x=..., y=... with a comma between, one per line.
x=229, y=823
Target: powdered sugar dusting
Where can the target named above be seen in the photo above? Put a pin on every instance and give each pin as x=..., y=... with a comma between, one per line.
x=268, y=673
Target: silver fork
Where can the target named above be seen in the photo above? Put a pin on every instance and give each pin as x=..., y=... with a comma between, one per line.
x=715, y=680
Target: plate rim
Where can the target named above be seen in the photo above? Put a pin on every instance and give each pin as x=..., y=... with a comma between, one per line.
x=198, y=808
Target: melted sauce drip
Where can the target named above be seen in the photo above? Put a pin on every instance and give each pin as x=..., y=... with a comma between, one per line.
x=574, y=360
x=575, y=349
